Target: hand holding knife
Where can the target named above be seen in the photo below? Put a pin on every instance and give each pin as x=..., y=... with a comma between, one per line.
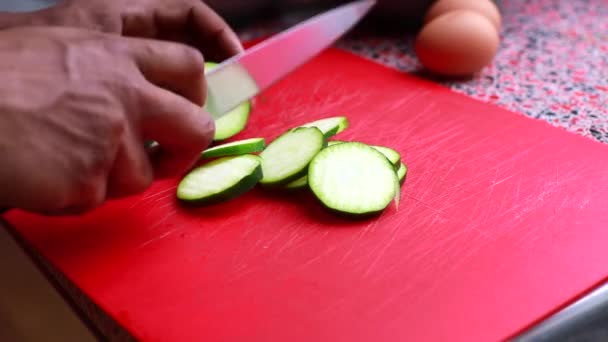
x=245, y=75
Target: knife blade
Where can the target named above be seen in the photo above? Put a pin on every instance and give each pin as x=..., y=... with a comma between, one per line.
x=245, y=75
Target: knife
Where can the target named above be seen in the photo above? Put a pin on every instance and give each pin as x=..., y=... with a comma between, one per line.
x=245, y=75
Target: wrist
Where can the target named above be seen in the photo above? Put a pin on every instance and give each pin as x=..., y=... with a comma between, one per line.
x=10, y=20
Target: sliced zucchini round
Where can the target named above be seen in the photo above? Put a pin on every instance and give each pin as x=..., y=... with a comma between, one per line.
x=287, y=157
x=353, y=178
x=299, y=183
x=329, y=126
x=245, y=146
x=220, y=180
x=392, y=155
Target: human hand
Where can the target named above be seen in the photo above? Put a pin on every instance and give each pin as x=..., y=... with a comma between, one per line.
x=77, y=107
x=186, y=21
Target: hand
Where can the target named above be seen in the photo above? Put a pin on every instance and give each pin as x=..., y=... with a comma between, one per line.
x=77, y=107
x=186, y=21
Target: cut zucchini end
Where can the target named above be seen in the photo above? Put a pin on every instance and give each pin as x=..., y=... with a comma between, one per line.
x=220, y=180
x=353, y=178
x=287, y=157
x=239, y=147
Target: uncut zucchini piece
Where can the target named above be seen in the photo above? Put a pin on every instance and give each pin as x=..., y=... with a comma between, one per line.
x=220, y=180
x=232, y=122
x=245, y=146
x=329, y=126
x=286, y=158
x=353, y=178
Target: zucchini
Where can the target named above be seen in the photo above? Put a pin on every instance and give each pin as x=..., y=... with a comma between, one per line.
x=333, y=142
x=329, y=126
x=233, y=122
x=220, y=180
x=401, y=172
x=298, y=183
x=353, y=178
x=303, y=182
x=393, y=156
x=238, y=147
x=347, y=177
x=286, y=158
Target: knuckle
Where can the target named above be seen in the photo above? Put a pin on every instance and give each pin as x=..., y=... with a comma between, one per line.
x=88, y=193
x=193, y=58
x=115, y=46
x=205, y=133
x=209, y=129
x=142, y=183
x=116, y=126
x=140, y=179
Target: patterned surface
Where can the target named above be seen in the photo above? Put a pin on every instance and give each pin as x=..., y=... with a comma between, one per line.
x=552, y=63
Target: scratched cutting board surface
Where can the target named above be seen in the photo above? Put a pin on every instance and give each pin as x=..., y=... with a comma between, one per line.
x=502, y=221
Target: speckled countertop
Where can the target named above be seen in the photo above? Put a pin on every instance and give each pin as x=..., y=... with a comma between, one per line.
x=552, y=64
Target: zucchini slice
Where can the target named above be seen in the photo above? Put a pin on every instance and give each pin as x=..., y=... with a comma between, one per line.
x=233, y=122
x=392, y=155
x=287, y=157
x=401, y=172
x=246, y=146
x=353, y=178
x=220, y=180
x=329, y=126
x=333, y=142
x=298, y=183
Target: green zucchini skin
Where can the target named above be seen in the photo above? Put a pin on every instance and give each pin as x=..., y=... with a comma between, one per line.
x=340, y=123
x=391, y=154
x=402, y=173
x=298, y=184
x=191, y=191
x=245, y=146
x=244, y=185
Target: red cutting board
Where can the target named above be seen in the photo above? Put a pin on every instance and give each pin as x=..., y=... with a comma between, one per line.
x=502, y=221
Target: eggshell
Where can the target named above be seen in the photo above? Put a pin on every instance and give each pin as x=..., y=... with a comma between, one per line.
x=457, y=43
x=485, y=7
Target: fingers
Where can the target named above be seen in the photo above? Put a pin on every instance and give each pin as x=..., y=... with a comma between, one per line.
x=132, y=171
x=192, y=22
x=173, y=66
x=218, y=40
x=182, y=129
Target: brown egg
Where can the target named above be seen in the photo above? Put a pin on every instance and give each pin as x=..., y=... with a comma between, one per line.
x=458, y=43
x=485, y=7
